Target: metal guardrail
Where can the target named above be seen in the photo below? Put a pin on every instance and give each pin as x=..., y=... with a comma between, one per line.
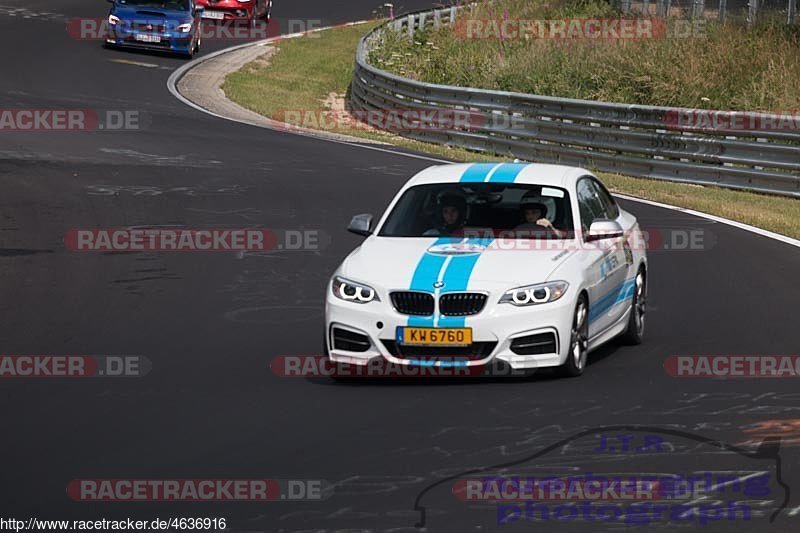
x=637, y=140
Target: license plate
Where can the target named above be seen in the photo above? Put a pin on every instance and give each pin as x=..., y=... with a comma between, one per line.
x=434, y=336
x=145, y=38
x=215, y=15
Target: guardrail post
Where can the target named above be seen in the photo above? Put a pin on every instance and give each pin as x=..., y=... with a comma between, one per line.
x=659, y=8
x=422, y=21
x=437, y=19
x=411, y=26
x=752, y=10
x=698, y=7
x=791, y=12
x=626, y=6
x=723, y=4
x=667, y=8
x=453, y=12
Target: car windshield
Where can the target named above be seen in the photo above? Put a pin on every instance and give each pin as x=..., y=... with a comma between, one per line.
x=506, y=210
x=180, y=5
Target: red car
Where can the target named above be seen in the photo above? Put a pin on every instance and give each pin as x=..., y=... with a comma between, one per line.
x=236, y=10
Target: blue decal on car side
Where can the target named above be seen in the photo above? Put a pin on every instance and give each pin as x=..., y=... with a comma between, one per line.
x=619, y=294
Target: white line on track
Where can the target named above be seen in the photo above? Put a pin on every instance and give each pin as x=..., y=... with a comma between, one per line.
x=740, y=225
x=137, y=63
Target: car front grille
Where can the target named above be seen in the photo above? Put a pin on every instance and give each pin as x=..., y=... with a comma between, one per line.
x=144, y=27
x=473, y=352
x=413, y=303
x=450, y=304
x=461, y=303
x=540, y=343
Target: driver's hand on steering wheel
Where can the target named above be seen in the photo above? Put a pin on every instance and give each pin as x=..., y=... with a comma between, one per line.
x=549, y=225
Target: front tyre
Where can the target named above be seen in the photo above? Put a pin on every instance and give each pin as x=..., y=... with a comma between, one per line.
x=634, y=334
x=579, y=341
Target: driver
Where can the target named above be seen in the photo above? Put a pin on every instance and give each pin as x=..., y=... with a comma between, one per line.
x=452, y=208
x=535, y=214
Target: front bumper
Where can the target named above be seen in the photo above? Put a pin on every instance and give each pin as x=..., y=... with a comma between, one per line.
x=497, y=323
x=169, y=41
x=231, y=10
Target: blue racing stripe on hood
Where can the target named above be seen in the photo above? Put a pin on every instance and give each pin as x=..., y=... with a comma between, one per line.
x=425, y=275
x=456, y=278
x=427, y=271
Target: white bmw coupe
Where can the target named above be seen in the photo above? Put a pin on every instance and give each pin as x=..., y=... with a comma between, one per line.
x=473, y=264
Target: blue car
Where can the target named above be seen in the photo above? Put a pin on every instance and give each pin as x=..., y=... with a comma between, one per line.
x=164, y=25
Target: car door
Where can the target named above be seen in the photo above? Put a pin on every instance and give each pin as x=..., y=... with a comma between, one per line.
x=606, y=264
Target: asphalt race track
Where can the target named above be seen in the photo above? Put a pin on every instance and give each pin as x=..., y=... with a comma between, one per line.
x=210, y=324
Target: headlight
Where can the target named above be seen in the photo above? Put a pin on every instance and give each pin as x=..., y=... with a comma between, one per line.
x=353, y=292
x=185, y=28
x=113, y=20
x=540, y=293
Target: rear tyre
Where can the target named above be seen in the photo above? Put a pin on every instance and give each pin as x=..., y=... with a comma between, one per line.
x=634, y=334
x=579, y=341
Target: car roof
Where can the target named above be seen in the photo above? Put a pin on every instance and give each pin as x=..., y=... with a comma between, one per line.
x=526, y=173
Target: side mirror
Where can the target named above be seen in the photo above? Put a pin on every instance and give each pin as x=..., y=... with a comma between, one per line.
x=361, y=225
x=604, y=229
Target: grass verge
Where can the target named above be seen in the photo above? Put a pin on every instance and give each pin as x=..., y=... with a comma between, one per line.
x=681, y=64
x=304, y=74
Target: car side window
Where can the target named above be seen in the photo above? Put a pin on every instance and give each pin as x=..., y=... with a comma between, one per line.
x=610, y=209
x=588, y=204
